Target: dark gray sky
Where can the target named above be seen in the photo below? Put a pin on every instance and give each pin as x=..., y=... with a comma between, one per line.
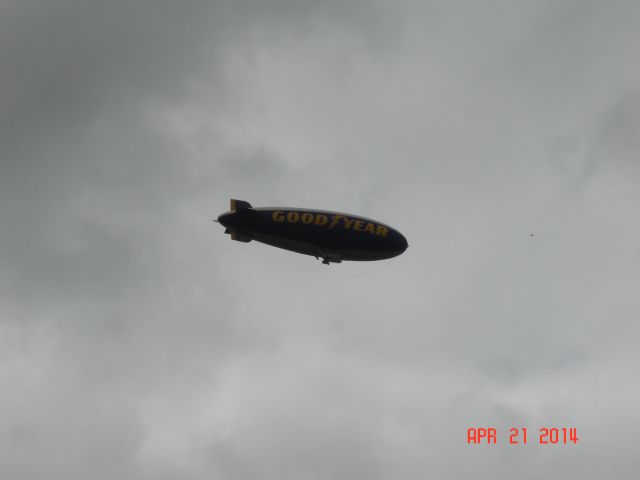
x=138, y=342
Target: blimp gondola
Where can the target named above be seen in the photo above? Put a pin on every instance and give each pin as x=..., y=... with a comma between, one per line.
x=332, y=236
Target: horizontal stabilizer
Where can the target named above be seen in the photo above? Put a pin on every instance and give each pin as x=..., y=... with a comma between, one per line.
x=239, y=204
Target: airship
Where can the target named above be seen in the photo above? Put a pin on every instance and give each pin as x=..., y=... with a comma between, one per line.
x=332, y=236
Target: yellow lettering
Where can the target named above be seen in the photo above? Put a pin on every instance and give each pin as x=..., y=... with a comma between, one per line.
x=307, y=218
x=348, y=222
x=293, y=217
x=321, y=220
x=370, y=228
x=358, y=225
x=278, y=216
x=382, y=231
x=334, y=221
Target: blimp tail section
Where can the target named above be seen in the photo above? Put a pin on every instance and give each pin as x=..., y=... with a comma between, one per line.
x=240, y=210
x=240, y=237
x=239, y=204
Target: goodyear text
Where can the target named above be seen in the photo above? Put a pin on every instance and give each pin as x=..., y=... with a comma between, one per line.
x=330, y=221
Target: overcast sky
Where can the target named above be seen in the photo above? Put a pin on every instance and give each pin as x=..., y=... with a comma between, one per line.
x=137, y=341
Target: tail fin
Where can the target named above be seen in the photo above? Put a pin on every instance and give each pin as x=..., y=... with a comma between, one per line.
x=240, y=237
x=243, y=209
x=239, y=204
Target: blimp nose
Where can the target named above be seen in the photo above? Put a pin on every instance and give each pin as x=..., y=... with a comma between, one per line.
x=398, y=243
x=402, y=243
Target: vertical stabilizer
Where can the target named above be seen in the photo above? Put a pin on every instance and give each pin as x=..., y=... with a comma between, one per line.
x=239, y=204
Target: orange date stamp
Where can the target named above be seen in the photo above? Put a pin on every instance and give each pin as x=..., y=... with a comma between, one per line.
x=521, y=436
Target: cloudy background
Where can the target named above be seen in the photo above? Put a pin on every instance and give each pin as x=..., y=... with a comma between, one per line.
x=138, y=342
